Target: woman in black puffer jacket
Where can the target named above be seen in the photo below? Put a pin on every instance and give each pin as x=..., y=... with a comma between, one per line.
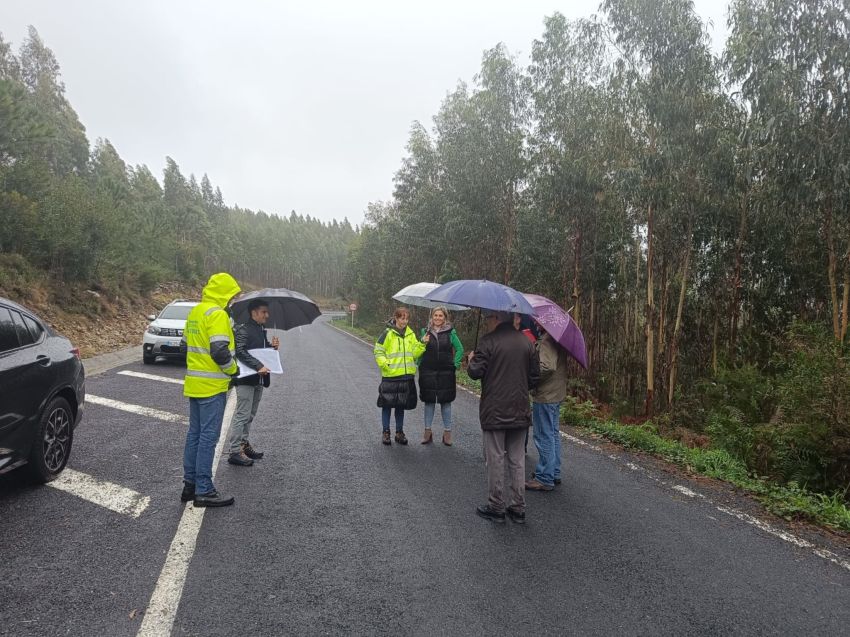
x=437, y=383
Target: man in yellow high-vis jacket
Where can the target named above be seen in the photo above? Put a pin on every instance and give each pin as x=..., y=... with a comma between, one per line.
x=210, y=364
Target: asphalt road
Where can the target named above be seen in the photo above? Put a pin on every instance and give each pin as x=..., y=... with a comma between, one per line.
x=334, y=533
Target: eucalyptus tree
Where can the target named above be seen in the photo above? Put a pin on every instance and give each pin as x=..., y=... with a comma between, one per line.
x=422, y=207
x=791, y=59
x=481, y=142
x=669, y=73
x=568, y=72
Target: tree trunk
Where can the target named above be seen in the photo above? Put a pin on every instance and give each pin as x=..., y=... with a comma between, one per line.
x=677, y=328
x=576, y=296
x=845, y=301
x=714, y=343
x=662, y=308
x=650, y=316
x=511, y=228
x=832, y=266
x=736, y=280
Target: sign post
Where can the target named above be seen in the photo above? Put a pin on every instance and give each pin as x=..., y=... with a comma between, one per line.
x=353, y=309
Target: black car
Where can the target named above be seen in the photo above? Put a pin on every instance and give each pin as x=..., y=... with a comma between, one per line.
x=42, y=390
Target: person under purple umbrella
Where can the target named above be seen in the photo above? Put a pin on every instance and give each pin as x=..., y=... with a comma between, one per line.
x=546, y=413
x=560, y=325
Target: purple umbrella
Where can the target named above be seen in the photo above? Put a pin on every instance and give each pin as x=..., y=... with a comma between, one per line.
x=560, y=325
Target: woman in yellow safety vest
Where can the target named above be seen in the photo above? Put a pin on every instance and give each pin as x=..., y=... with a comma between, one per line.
x=396, y=353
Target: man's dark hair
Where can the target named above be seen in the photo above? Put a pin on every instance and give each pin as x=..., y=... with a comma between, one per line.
x=253, y=305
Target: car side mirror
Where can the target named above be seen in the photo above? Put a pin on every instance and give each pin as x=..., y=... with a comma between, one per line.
x=151, y=317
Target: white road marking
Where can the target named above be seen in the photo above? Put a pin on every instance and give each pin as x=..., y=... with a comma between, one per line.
x=764, y=526
x=137, y=409
x=687, y=491
x=162, y=608
x=106, y=494
x=788, y=537
x=162, y=379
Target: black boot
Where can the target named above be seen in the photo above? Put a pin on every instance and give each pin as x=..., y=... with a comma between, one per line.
x=212, y=499
x=248, y=450
x=188, y=492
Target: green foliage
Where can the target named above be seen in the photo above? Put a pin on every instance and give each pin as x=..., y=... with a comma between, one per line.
x=574, y=412
x=16, y=275
x=148, y=276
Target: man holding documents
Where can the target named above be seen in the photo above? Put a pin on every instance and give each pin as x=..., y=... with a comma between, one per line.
x=249, y=386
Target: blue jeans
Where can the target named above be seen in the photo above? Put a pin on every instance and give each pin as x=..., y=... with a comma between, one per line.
x=399, y=418
x=205, y=416
x=445, y=412
x=547, y=439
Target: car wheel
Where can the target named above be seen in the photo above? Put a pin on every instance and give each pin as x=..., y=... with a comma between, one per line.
x=52, y=445
x=148, y=360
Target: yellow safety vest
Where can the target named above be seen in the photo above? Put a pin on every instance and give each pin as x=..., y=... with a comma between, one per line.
x=396, y=355
x=208, y=323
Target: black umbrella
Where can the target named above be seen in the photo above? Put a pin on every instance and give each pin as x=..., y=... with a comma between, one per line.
x=287, y=308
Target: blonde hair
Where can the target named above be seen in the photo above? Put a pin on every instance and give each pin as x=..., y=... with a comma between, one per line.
x=442, y=309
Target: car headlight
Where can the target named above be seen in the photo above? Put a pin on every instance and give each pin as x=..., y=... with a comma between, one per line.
x=153, y=329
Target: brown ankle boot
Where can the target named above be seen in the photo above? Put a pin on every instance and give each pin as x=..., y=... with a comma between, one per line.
x=428, y=438
x=447, y=438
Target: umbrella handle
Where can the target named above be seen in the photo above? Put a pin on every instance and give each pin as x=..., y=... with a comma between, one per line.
x=477, y=326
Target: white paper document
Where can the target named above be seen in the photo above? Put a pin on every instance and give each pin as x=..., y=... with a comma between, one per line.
x=267, y=356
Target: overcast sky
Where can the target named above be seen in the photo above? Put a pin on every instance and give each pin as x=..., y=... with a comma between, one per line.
x=300, y=106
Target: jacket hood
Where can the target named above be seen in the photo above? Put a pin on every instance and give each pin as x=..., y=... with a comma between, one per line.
x=391, y=324
x=220, y=289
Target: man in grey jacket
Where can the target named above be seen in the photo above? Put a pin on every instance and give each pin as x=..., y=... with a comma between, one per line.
x=546, y=413
x=249, y=389
x=506, y=363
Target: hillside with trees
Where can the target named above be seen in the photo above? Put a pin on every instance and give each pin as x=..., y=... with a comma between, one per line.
x=79, y=216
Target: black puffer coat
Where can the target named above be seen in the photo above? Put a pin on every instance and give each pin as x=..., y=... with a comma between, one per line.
x=397, y=392
x=437, y=382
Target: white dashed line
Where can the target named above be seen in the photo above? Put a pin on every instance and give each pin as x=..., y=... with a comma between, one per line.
x=162, y=379
x=106, y=494
x=687, y=491
x=743, y=517
x=137, y=409
x=162, y=608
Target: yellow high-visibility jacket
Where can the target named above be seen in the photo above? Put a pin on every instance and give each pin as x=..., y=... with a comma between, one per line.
x=395, y=354
x=210, y=355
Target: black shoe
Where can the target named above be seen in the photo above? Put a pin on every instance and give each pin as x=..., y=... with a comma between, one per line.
x=400, y=438
x=248, y=450
x=385, y=438
x=516, y=516
x=487, y=513
x=240, y=459
x=212, y=499
x=188, y=492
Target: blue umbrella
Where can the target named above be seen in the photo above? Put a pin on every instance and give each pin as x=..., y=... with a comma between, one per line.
x=482, y=294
